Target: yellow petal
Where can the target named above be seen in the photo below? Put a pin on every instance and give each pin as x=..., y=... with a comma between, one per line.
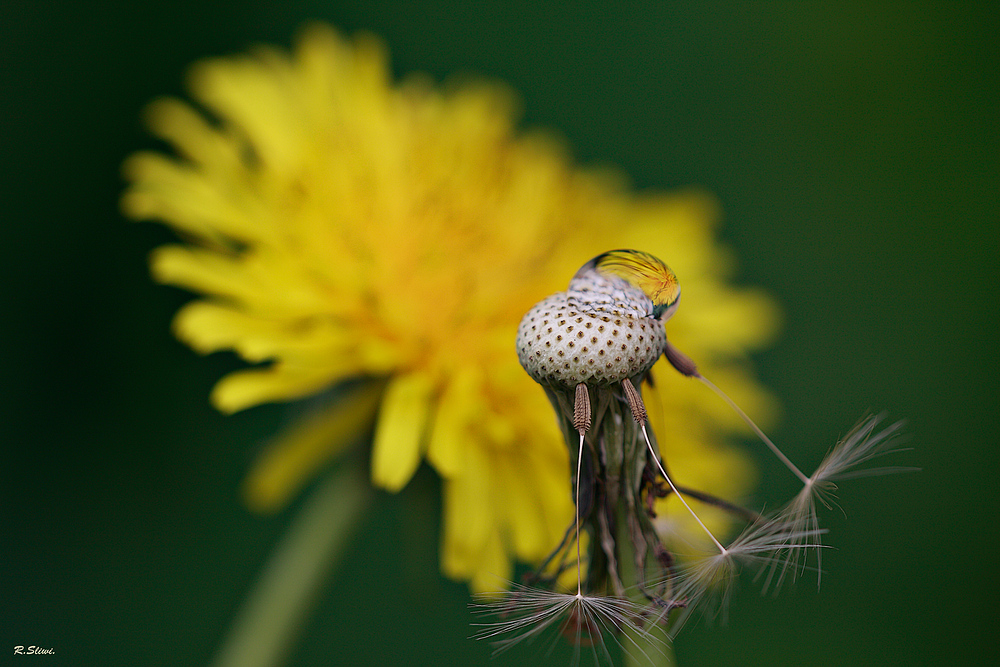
x=276, y=383
x=400, y=431
x=181, y=195
x=207, y=326
x=196, y=139
x=200, y=270
x=252, y=94
x=450, y=434
x=268, y=279
x=295, y=455
x=493, y=569
x=521, y=508
x=469, y=514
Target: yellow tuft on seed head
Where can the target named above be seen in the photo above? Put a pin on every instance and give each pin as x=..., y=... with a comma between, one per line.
x=644, y=271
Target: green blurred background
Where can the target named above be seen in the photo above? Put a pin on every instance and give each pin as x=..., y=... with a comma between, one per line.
x=854, y=149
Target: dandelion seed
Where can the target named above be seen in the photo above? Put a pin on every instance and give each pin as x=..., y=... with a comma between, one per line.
x=706, y=581
x=860, y=446
x=639, y=414
x=526, y=613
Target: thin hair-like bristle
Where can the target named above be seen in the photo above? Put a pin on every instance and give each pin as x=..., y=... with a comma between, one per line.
x=526, y=613
x=712, y=577
x=859, y=446
x=639, y=410
x=756, y=429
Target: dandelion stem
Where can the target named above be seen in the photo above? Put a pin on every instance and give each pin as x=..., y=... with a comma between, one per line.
x=645, y=643
x=292, y=580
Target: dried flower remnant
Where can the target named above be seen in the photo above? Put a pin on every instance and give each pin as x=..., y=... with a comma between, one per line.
x=591, y=348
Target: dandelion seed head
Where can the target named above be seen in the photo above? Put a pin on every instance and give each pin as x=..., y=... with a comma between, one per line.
x=605, y=327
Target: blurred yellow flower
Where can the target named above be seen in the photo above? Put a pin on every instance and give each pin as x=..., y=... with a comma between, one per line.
x=343, y=227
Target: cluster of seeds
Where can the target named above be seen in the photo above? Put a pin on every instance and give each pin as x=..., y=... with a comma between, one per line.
x=601, y=331
x=591, y=347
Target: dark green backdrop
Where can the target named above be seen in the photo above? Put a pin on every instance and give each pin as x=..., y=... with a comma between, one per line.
x=854, y=147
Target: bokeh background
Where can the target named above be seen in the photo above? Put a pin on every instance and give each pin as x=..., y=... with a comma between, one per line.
x=853, y=147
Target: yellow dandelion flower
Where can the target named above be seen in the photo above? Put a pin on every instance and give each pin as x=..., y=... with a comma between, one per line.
x=339, y=226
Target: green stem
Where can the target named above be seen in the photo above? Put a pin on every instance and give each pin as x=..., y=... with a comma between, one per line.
x=267, y=624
